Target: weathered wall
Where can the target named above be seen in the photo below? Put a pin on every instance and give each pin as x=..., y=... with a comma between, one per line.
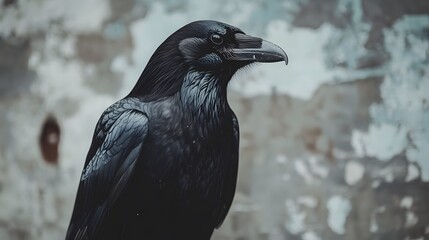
x=333, y=146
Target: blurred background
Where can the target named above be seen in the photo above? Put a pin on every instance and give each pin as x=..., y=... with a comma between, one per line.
x=333, y=146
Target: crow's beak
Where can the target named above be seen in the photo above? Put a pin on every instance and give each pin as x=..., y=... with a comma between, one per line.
x=253, y=49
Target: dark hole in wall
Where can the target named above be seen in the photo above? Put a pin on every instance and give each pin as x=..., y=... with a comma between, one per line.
x=50, y=139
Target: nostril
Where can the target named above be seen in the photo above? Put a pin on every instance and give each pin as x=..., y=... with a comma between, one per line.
x=50, y=139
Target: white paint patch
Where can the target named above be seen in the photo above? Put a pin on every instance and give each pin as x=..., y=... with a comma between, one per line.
x=304, y=48
x=382, y=142
x=404, y=90
x=310, y=235
x=420, y=153
x=411, y=219
x=406, y=202
x=412, y=173
x=295, y=223
x=338, y=210
x=353, y=172
x=302, y=169
x=373, y=227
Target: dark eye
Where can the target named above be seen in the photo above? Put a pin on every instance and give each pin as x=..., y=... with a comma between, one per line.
x=216, y=39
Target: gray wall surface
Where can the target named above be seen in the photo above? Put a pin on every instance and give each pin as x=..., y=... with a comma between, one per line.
x=333, y=146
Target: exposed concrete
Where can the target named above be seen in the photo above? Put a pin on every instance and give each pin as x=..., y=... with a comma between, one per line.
x=15, y=77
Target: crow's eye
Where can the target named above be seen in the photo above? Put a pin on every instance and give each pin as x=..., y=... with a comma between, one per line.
x=216, y=39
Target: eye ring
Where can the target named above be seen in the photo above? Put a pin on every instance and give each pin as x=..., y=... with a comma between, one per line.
x=216, y=39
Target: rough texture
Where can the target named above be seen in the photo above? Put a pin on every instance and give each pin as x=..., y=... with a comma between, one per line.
x=334, y=146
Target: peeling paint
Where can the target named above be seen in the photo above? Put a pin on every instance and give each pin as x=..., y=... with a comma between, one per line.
x=353, y=172
x=369, y=144
x=411, y=219
x=406, y=202
x=296, y=218
x=419, y=154
x=412, y=173
x=310, y=236
x=405, y=88
x=302, y=169
x=339, y=209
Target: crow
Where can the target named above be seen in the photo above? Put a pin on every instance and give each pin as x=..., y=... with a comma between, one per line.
x=163, y=160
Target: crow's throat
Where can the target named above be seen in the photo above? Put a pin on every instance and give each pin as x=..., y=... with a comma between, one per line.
x=204, y=95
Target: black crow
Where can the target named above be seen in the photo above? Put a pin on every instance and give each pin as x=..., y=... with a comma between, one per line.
x=163, y=160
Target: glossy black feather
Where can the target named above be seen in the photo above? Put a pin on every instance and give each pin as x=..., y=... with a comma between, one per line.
x=163, y=161
x=110, y=163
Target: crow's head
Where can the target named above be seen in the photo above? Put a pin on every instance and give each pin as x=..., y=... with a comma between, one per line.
x=215, y=46
x=204, y=46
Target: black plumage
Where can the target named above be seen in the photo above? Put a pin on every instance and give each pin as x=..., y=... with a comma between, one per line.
x=163, y=161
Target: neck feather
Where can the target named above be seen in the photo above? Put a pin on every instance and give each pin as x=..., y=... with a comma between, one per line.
x=205, y=95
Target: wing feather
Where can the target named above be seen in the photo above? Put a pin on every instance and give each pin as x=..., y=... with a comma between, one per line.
x=108, y=171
